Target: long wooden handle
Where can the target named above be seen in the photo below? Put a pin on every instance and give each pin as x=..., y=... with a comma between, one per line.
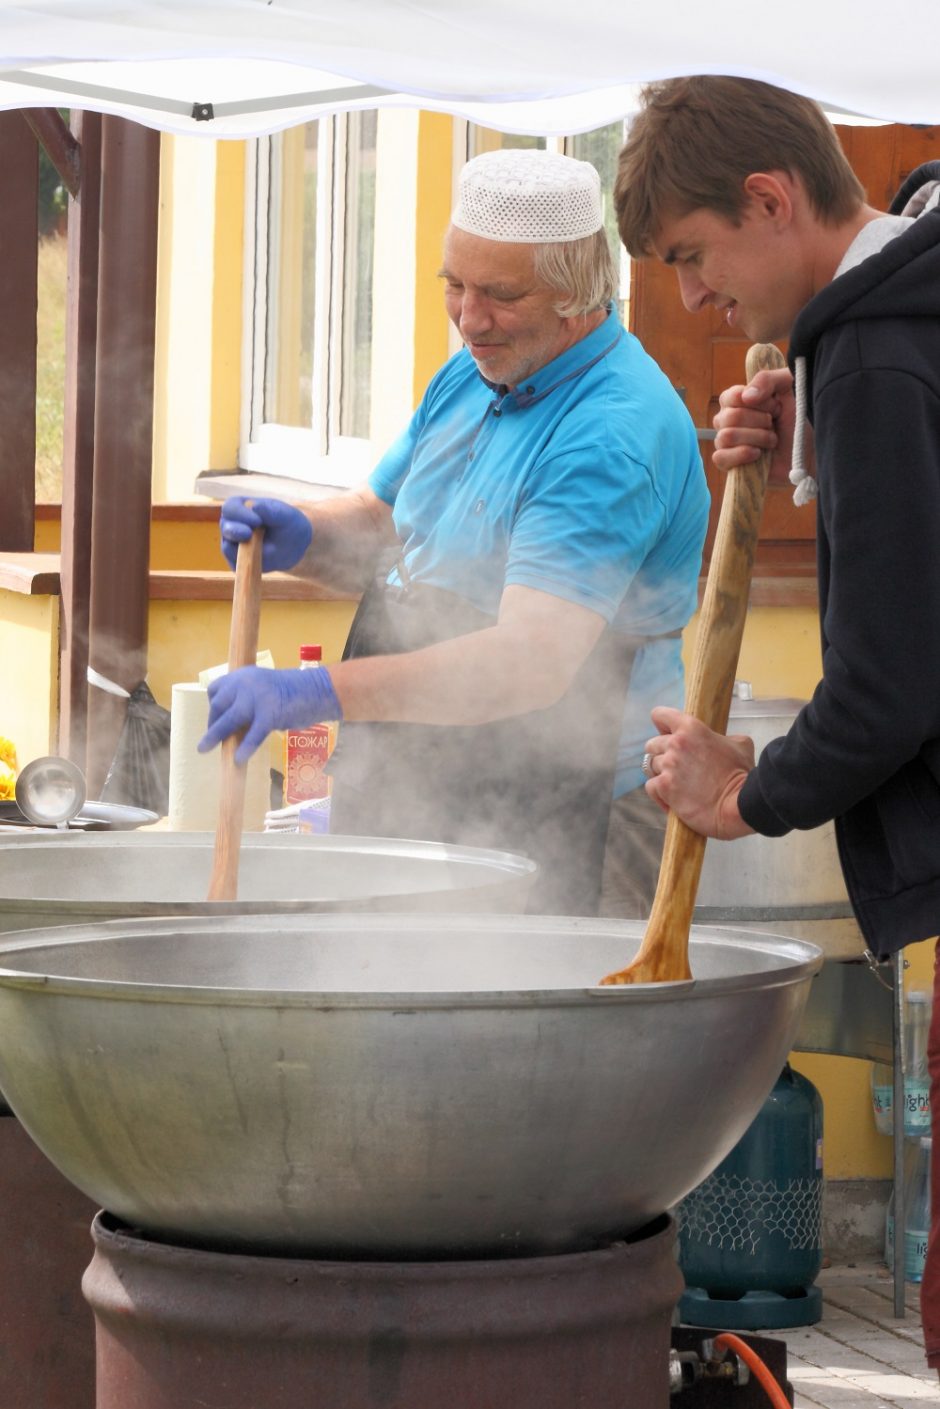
x=242, y=650
x=664, y=953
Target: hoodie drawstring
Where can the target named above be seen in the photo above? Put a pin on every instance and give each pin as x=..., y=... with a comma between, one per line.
x=806, y=486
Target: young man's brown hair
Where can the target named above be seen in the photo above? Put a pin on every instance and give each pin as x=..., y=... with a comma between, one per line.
x=695, y=141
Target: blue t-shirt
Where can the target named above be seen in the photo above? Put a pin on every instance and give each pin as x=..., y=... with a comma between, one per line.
x=584, y=482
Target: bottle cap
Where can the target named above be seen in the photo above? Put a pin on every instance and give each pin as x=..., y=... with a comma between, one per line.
x=311, y=652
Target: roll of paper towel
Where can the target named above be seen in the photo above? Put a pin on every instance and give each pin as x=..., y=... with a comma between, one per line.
x=195, y=778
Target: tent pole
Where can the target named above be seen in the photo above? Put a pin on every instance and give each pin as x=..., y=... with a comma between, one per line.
x=123, y=435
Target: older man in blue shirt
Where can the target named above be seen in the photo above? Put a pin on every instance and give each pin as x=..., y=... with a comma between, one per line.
x=540, y=519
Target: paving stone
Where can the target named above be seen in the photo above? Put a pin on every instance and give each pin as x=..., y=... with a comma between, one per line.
x=860, y=1356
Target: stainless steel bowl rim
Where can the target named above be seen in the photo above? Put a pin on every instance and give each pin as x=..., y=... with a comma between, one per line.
x=804, y=960
x=399, y=1125
x=478, y=862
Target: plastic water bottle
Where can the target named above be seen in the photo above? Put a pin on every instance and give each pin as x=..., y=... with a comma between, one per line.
x=917, y=1223
x=911, y=1156
x=916, y=1077
x=882, y=1096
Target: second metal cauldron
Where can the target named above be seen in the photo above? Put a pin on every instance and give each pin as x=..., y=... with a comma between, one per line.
x=59, y=878
x=388, y=1086
x=791, y=872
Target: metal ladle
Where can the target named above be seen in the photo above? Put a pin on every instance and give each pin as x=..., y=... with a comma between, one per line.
x=50, y=791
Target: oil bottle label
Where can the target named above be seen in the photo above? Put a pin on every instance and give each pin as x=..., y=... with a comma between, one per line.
x=307, y=751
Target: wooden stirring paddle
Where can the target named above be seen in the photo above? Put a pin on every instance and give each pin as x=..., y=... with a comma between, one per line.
x=663, y=956
x=242, y=650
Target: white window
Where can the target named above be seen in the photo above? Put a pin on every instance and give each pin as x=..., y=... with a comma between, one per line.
x=309, y=266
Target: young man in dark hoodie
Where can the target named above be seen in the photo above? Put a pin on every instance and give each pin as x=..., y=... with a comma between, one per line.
x=744, y=190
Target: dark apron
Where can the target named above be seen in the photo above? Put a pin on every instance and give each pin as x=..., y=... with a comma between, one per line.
x=539, y=783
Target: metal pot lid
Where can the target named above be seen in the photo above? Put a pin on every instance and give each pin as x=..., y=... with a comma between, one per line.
x=50, y=791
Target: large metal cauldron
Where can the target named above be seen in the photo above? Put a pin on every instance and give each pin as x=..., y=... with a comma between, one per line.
x=799, y=869
x=388, y=1086
x=67, y=877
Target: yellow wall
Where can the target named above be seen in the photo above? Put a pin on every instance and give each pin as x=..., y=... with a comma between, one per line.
x=47, y=536
x=435, y=150
x=29, y=650
x=176, y=544
x=187, y=637
x=199, y=313
x=183, y=326
x=228, y=249
x=179, y=545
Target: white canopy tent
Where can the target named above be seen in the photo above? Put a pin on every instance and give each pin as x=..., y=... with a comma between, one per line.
x=236, y=68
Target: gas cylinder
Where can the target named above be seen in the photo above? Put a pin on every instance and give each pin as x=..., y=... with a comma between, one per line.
x=750, y=1236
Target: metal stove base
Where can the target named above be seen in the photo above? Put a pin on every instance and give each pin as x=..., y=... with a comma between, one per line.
x=179, y=1327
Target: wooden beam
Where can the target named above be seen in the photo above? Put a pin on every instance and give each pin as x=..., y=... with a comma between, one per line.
x=59, y=144
x=81, y=323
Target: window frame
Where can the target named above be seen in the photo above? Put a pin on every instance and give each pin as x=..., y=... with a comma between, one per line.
x=318, y=454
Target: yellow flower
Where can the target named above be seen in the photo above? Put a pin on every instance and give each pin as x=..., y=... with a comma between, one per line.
x=7, y=753
x=7, y=782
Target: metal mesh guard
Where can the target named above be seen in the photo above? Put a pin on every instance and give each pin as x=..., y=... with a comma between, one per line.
x=734, y=1214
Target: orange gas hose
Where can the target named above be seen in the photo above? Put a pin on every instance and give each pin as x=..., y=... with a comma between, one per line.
x=727, y=1341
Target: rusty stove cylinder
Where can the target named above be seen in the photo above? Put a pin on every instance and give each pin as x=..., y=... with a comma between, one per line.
x=179, y=1327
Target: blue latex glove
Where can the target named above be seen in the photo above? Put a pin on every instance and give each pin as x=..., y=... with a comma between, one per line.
x=287, y=531
x=258, y=700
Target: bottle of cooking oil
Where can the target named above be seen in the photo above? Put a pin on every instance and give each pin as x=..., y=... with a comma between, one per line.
x=306, y=750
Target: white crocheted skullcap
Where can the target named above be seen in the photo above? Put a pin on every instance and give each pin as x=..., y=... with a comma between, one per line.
x=523, y=195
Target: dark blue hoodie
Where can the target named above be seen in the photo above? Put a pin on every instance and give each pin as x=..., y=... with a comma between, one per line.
x=866, y=749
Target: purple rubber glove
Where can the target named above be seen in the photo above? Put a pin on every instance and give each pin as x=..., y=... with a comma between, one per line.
x=258, y=700
x=287, y=531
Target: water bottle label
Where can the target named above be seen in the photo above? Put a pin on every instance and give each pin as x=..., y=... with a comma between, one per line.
x=915, y=1253
x=882, y=1099
x=917, y=1108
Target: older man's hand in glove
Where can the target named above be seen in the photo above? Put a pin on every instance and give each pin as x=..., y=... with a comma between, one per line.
x=258, y=700
x=287, y=531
